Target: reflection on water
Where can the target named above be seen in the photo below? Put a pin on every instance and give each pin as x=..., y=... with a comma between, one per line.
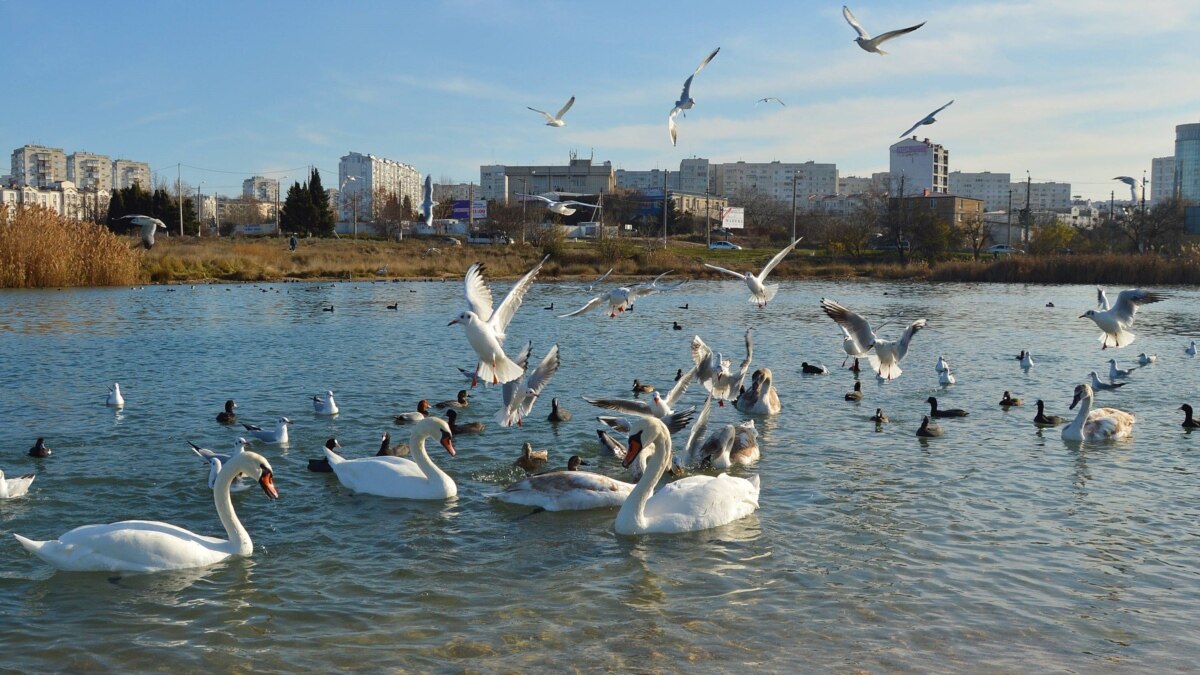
x=995, y=546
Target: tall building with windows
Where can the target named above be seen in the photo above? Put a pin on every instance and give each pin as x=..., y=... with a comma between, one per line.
x=89, y=172
x=1049, y=196
x=125, y=173
x=1187, y=162
x=260, y=188
x=991, y=188
x=692, y=177
x=1162, y=179
x=779, y=180
x=578, y=177
x=918, y=167
x=362, y=178
x=38, y=166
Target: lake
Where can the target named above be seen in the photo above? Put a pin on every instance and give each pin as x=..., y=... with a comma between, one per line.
x=995, y=547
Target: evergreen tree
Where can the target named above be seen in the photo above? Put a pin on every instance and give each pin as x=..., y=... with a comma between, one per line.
x=116, y=207
x=324, y=223
x=298, y=213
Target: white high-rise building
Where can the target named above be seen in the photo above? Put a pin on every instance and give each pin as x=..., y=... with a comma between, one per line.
x=1049, y=196
x=89, y=172
x=126, y=172
x=918, y=167
x=38, y=166
x=374, y=176
x=877, y=183
x=260, y=188
x=493, y=183
x=1162, y=179
x=578, y=177
x=692, y=178
x=991, y=188
x=777, y=179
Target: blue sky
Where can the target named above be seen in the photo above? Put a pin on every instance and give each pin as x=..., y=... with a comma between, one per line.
x=1068, y=90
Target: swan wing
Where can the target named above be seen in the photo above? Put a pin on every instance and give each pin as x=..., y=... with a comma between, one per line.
x=511, y=302
x=700, y=502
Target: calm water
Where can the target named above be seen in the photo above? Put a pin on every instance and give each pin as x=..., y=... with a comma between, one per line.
x=996, y=547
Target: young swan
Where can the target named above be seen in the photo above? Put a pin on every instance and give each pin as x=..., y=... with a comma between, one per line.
x=1098, y=424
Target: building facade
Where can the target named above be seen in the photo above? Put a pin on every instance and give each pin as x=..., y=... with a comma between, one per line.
x=63, y=198
x=89, y=171
x=261, y=188
x=877, y=183
x=692, y=177
x=578, y=177
x=1162, y=179
x=918, y=167
x=952, y=209
x=1049, y=196
x=363, y=177
x=990, y=187
x=778, y=180
x=698, y=204
x=1187, y=162
x=126, y=173
x=449, y=192
x=38, y=166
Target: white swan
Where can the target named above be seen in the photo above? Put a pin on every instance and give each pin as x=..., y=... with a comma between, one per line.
x=760, y=293
x=11, y=488
x=151, y=546
x=1098, y=424
x=398, y=477
x=567, y=491
x=325, y=405
x=686, y=505
x=114, y=396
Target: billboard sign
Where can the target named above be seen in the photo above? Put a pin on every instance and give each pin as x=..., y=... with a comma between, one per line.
x=464, y=210
x=479, y=209
x=733, y=218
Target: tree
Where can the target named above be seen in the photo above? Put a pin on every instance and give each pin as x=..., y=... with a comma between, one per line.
x=324, y=219
x=1156, y=228
x=762, y=211
x=930, y=235
x=298, y=213
x=391, y=218
x=1051, y=238
x=974, y=231
x=622, y=206
x=506, y=218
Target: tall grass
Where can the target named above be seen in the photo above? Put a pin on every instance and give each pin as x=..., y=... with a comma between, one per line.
x=1108, y=268
x=39, y=249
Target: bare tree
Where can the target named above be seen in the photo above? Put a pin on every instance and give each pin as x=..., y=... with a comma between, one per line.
x=974, y=231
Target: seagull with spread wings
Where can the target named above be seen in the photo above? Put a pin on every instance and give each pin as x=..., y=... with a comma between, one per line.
x=1132, y=183
x=864, y=39
x=555, y=120
x=622, y=299
x=685, y=101
x=713, y=369
x=486, y=328
x=1116, y=321
x=928, y=119
x=888, y=354
x=563, y=208
x=149, y=226
x=523, y=392
x=772, y=98
x=760, y=293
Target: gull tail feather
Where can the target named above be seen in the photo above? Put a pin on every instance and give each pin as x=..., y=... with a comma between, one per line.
x=505, y=370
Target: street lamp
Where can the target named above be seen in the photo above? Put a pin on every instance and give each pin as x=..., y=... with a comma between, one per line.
x=354, y=209
x=199, y=212
x=524, y=191
x=795, y=176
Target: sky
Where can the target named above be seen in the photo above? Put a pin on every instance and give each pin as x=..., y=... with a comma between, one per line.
x=1068, y=90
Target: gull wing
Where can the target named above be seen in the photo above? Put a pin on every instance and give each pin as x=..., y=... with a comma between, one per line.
x=896, y=33
x=572, y=202
x=1102, y=299
x=543, y=113
x=1128, y=301
x=680, y=386
x=749, y=356
x=544, y=199
x=671, y=126
x=571, y=102
x=252, y=427
x=910, y=129
x=696, y=435
x=677, y=421
x=862, y=33
x=762, y=276
x=511, y=302
x=615, y=423
x=729, y=272
x=687, y=87
x=856, y=327
x=592, y=304
x=622, y=405
x=545, y=370
x=479, y=296
x=930, y=115
x=600, y=280
x=700, y=68
x=902, y=345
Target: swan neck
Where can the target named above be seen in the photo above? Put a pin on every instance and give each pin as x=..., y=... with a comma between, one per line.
x=1085, y=408
x=421, y=457
x=239, y=539
x=635, y=505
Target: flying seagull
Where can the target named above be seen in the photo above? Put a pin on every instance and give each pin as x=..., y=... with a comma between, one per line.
x=864, y=38
x=563, y=208
x=555, y=120
x=149, y=227
x=1132, y=183
x=685, y=101
x=1116, y=321
x=928, y=119
x=772, y=98
x=427, y=202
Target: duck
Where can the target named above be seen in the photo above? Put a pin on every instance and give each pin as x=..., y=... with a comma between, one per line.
x=325, y=405
x=879, y=417
x=639, y=388
x=942, y=366
x=459, y=402
x=1115, y=373
x=114, y=396
x=1101, y=386
x=1098, y=424
x=1021, y=356
x=530, y=459
x=927, y=430
x=1026, y=360
x=322, y=465
x=857, y=394
x=1008, y=401
x=678, y=374
x=468, y=428
x=686, y=505
x=227, y=416
x=684, y=305
x=946, y=378
x=412, y=417
x=675, y=326
x=326, y=309
x=854, y=367
x=558, y=414
x=1145, y=359
x=575, y=462
x=952, y=412
x=761, y=398
x=1188, y=422
x=394, y=305
x=150, y=546
x=1041, y=419
x=11, y=488
x=1191, y=349
x=1050, y=304
x=397, y=477
x=39, y=449
x=810, y=369
x=570, y=490
x=550, y=307
x=277, y=435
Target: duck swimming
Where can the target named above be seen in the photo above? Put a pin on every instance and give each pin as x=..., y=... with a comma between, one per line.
x=1008, y=401
x=1044, y=420
x=459, y=402
x=39, y=449
x=952, y=412
x=558, y=414
x=928, y=430
x=468, y=428
x=530, y=459
x=228, y=416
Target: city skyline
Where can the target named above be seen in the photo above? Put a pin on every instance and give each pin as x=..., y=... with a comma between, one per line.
x=245, y=90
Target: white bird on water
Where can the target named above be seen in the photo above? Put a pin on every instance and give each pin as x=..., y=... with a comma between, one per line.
x=685, y=101
x=1115, y=373
x=325, y=405
x=557, y=119
x=942, y=366
x=277, y=435
x=945, y=378
x=565, y=207
x=1116, y=321
x=115, y=399
x=11, y=488
x=1191, y=349
x=760, y=293
x=864, y=39
x=928, y=119
x=1027, y=360
x=1145, y=359
x=486, y=328
x=1098, y=424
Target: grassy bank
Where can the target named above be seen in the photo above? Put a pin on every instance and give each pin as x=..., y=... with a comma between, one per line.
x=40, y=249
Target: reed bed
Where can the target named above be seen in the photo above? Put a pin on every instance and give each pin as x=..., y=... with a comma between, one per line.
x=41, y=249
x=1109, y=268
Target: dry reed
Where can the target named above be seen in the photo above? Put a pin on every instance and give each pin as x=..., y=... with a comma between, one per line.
x=39, y=249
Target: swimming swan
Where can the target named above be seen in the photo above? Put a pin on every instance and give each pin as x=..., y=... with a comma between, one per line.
x=398, y=477
x=1098, y=424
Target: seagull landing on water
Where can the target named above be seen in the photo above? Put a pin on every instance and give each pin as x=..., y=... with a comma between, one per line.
x=772, y=98
x=427, y=202
x=928, y=119
x=760, y=293
x=563, y=208
x=485, y=327
x=864, y=39
x=555, y=120
x=685, y=101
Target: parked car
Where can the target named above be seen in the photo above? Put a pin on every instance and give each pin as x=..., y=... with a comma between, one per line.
x=1003, y=249
x=724, y=246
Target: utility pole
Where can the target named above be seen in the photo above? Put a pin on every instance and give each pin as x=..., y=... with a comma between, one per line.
x=665, y=174
x=179, y=197
x=1140, y=247
x=708, y=219
x=795, y=175
x=1027, y=215
x=199, y=218
x=1008, y=230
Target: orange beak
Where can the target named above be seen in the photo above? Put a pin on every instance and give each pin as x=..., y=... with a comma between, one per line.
x=448, y=443
x=635, y=446
x=267, y=481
